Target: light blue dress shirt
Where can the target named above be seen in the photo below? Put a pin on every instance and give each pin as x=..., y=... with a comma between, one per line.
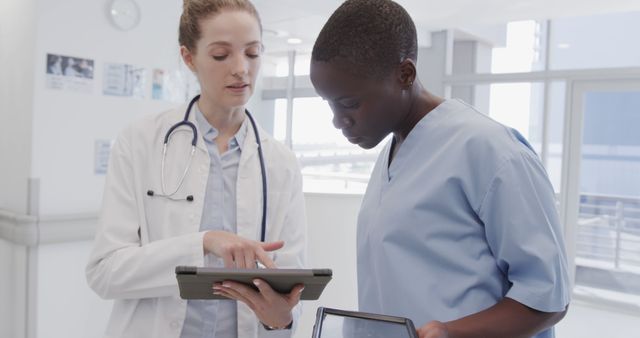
x=463, y=217
x=216, y=318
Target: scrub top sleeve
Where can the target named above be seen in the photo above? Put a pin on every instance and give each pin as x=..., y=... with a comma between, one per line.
x=120, y=266
x=524, y=233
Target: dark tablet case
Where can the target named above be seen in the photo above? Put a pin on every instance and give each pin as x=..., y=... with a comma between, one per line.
x=197, y=282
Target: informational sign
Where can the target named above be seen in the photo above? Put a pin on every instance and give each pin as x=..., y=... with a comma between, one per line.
x=101, y=156
x=123, y=80
x=69, y=73
x=173, y=86
x=158, y=85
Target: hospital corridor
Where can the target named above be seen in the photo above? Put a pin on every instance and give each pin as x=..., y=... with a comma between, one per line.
x=430, y=169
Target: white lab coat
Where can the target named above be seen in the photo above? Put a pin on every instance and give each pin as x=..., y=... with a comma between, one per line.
x=142, y=239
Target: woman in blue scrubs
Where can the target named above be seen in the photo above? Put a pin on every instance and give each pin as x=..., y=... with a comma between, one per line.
x=458, y=229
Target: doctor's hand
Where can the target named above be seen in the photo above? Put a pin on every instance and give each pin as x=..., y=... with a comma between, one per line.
x=433, y=329
x=239, y=252
x=272, y=308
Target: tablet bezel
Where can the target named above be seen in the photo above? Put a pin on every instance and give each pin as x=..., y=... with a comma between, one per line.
x=320, y=314
x=197, y=282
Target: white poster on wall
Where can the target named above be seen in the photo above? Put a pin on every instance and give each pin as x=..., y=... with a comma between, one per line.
x=158, y=84
x=102, y=150
x=169, y=86
x=69, y=73
x=123, y=80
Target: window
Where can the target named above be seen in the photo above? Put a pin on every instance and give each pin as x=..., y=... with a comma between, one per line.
x=522, y=52
x=602, y=41
x=280, y=120
x=329, y=162
x=277, y=64
x=608, y=220
x=555, y=132
x=515, y=47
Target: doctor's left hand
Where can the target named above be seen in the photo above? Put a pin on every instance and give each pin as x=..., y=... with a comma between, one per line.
x=272, y=308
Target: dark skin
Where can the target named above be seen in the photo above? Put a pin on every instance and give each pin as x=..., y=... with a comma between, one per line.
x=368, y=109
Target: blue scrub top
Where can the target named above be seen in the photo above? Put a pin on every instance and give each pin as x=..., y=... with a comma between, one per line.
x=463, y=217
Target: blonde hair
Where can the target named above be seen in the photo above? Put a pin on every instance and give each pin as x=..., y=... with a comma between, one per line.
x=195, y=10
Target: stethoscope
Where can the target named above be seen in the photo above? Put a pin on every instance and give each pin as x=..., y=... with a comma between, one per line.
x=185, y=122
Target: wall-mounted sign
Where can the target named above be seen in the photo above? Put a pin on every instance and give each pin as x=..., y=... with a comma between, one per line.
x=123, y=80
x=101, y=156
x=69, y=73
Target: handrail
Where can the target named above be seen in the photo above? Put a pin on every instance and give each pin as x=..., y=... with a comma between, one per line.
x=606, y=230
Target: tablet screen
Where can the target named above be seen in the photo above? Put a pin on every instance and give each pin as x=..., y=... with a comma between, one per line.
x=336, y=326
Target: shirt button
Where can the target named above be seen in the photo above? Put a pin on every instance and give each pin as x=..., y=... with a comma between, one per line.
x=175, y=325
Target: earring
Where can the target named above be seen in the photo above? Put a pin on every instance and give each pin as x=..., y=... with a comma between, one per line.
x=410, y=84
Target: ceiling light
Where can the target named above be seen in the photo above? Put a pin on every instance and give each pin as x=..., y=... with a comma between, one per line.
x=563, y=45
x=294, y=41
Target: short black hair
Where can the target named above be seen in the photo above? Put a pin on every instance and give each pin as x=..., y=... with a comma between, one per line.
x=372, y=36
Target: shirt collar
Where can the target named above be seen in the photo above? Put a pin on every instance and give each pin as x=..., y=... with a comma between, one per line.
x=210, y=133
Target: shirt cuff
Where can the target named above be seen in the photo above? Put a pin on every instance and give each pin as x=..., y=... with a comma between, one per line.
x=266, y=332
x=270, y=328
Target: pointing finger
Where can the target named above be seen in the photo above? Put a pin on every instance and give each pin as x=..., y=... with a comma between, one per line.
x=272, y=246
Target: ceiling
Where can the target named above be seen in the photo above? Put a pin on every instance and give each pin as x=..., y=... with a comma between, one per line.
x=303, y=19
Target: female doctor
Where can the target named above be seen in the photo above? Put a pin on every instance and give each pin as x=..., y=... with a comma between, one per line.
x=223, y=194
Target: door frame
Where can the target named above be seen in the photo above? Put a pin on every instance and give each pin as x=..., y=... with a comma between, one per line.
x=572, y=150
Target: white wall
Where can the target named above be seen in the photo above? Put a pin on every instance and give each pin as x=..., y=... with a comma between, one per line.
x=62, y=285
x=12, y=290
x=66, y=123
x=17, y=36
x=586, y=321
x=14, y=260
x=332, y=244
x=65, y=127
x=6, y=287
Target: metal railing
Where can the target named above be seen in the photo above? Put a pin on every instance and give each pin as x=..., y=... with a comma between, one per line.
x=608, y=232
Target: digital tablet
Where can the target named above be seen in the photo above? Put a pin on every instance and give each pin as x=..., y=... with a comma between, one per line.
x=196, y=283
x=333, y=323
